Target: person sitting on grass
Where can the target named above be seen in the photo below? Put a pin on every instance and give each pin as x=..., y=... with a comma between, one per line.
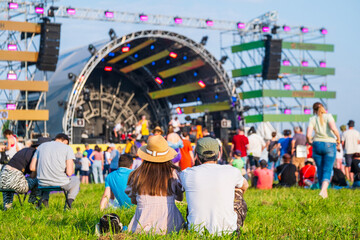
x=264, y=176
x=287, y=172
x=154, y=187
x=116, y=183
x=12, y=176
x=307, y=173
x=238, y=162
x=85, y=168
x=355, y=169
x=54, y=163
x=214, y=192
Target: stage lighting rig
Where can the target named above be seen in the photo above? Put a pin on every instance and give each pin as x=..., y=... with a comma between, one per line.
x=51, y=11
x=72, y=77
x=92, y=49
x=204, y=40
x=223, y=59
x=239, y=83
x=112, y=34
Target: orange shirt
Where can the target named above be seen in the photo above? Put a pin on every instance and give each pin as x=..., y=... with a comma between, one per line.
x=265, y=178
x=185, y=160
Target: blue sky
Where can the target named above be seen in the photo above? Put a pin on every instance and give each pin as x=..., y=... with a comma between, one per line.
x=340, y=18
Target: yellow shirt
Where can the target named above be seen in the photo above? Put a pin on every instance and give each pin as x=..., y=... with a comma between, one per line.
x=144, y=128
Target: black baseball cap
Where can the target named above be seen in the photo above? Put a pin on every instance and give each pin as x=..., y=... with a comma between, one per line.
x=351, y=123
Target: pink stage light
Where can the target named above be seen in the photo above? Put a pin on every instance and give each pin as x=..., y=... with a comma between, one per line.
x=158, y=80
x=304, y=29
x=324, y=31
x=265, y=29
x=209, y=22
x=11, y=75
x=125, y=49
x=323, y=64
x=286, y=28
x=109, y=14
x=306, y=87
x=13, y=5
x=108, y=68
x=39, y=10
x=287, y=111
x=173, y=55
x=307, y=111
x=240, y=25
x=12, y=47
x=304, y=63
x=178, y=20
x=10, y=106
x=178, y=110
x=71, y=11
x=287, y=86
x=323, y=87
x=201, y=84
x=143, y=17
x=286, y=62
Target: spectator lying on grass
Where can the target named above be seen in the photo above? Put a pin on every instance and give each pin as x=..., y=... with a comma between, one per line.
x=210, y=189
x=116, y=183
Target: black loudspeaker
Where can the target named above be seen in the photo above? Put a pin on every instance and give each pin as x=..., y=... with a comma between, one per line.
x=272, y=59
x=49, y=46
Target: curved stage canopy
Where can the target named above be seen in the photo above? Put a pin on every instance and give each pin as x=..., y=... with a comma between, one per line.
x=143, y=73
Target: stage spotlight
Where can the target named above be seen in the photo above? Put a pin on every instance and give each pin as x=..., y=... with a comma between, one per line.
x=80, y=112
x=12, y=47
x=216, y=96
x=185, y=57
x=287, y=111
x=209, y=22
x=125, y=61
x=92, y=49
x=10, y=106
x=305, y=87
x=153, y=63
x=201, y=84
x=195, y=74
x=286, y=62
x=174, y=79
x=286, y=28
x=71, y=11
x=287, y=86
x=307, y=111
x=178, y=110
x=72, y=77
x=111, y=54
x=188, y=118
x=184, y=99
x=108, y=69
x=304, y=63
x=112, y=34
x=239, y=83
x=152, y=47
x=51, y=11
x=13, y=5
x=304, y=29
x=143, y=17
x=265, y=28
x=324, y=31
x=86, y=94
x=323, y=64
x=240, y=25
x=323, y=87
x=11, y=75
x=136, y=55
x=198, y=98
x=274, y=29
x=223, y=59
x=178, y=20
x=109, y=14
x=168, y=61
x=173, y=55
x=204, y=40
x=158, y=80
x=39, y=9
x=125, y=49
x=246, y=108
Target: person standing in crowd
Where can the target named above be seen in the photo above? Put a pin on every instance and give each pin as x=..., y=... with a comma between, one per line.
x=118, y=130
x=78, y=156
x=144, y=127
x=324, y=143
x=238, y=162
x=85, y=165
x=307, y=173
x=240, y=142
x=205, y=132
x=157, y=131
x=107, y=161
x=175, y=143
x=298, y=148
x=355, y=169
x=12, y=176
x=116, y=183
x=175, y=123
x=287, y=172
x=89, y=152
x=285, y=143
x=217, y=206
x=263, y=176
x=97, y=166
x=255, y=147
x=12, y=144
x=114, y=158
x=186, y=152
x=273, y=148
x=53, y=162
x=350, y=141
x=154, y=187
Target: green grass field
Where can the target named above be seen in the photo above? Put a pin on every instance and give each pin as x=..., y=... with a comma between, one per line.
x=276, y=214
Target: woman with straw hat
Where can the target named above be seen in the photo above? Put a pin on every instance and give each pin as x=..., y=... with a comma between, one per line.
x=154, y=187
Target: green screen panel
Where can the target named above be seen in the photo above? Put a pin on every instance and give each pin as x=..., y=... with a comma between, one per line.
x=182, y=68
x=190, y=87
x=246, y=71
x=247, y=46
x=308, y=46
x=212, y=107
x=280, y=118
x=287, y=94
x=307, y=70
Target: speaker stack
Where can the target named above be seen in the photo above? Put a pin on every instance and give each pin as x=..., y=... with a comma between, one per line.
x=272, y=59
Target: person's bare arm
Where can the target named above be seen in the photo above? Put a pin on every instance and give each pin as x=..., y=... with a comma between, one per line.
x=192, y=158
x=292, y=146
x=69, y=167
x=32, y=166
x=309, y=134
x=333, y=128
x=105, y=198
x=245, y=186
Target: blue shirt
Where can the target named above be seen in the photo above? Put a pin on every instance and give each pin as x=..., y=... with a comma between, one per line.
x=114, y=155
x=284, y=142
x=117, y=181
x=89, y=152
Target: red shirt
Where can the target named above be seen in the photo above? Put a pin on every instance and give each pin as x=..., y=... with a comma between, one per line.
x=185, y=160
x=240, y=142
x=265, y=178
x=307, y=172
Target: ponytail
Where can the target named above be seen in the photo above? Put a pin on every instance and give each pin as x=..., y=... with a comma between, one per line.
x=319, y=110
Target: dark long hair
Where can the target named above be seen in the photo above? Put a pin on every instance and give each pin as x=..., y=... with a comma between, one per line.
x=153, y=179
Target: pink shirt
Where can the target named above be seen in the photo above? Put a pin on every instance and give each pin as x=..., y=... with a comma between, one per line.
x=265, y=178
x=97, y=155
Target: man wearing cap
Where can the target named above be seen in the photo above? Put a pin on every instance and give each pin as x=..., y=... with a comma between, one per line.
x=350, y=141
x=114, y=158
x=53, y=162
x=13, y=174
x=210, y=192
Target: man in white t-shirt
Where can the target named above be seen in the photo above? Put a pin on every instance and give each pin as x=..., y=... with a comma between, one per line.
x=214, y=192
x=350, y=141
x=255, y=147
x=176, y=124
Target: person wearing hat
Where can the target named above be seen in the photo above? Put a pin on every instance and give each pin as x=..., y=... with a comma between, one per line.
x=350, y=141
x=154, y=187
x=213, y=192
x=157, y=131
x=53, y=162
x=286, y=172
x=85, y=168
x=307, y=173
x=13, y=174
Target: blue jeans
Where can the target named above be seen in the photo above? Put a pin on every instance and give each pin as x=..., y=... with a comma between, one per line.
x=356, y=184
x=324, y=154
x=274, y=165
x=97, y=171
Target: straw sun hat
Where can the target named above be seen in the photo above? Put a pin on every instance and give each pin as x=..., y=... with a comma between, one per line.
x=157, y=150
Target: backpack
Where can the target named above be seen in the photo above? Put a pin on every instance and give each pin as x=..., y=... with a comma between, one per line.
x=110, y=221
x=273, y=153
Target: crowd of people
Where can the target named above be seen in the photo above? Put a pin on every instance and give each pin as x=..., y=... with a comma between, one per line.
x=154, y=172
